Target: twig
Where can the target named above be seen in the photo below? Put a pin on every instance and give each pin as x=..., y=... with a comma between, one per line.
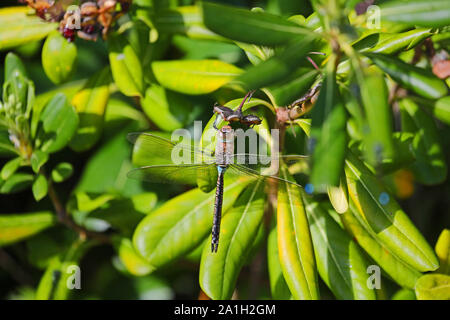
x=64, y=218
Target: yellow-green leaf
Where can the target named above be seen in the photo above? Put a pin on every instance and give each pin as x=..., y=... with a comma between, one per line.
x=442, y=249
x=16, y=227
x=58, y=57
x=386, y=219
x=194, y=76
x=433, y=287
x=294, y=242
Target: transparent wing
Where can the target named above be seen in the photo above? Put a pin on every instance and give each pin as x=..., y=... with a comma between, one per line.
x=258, y=172
x=183, y=174
x=153, y=150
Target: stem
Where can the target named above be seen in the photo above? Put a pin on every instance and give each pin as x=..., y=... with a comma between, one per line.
x=64, y=218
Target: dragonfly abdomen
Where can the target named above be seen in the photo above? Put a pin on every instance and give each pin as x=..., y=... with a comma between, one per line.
x=217, y=210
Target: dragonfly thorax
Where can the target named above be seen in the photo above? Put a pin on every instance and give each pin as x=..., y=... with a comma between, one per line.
x=224, y=146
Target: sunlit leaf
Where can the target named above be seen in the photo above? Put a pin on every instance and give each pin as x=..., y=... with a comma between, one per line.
x=58, y=57
x=16, y=227
x=219, y=271
x=194, y=76
x=433, y=287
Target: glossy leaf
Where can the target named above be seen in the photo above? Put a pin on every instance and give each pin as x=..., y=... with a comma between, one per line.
x=194, y=76
x=378, y=139
x=38, y=159
x=328, y=136
x=60, y=273
x=13, y=66
x=17, y=27
x=418, y=80
x=219, y=271
x=126, y=67
x=386, y=219
x=180, y=224
x=16, y=227
x=294, y=242
x=260, y=28
x=58, y=122
x=90, y=104
x=168, y=110
x=392, y=43
x=427, y=13
x=134, y=263
x=404, y=294
x=339, y=196
x=278, y=286
x=430, y=165
x=185, y=20
x=440, y=108
x=442, y=249
x=340, y=262
x=58, y=57
x=40, y=187
x=62, y=172
x=367, y=239
x=276, y=68
x=10, y=168
x=16, y=183
x=294, y=87
x=433, y=287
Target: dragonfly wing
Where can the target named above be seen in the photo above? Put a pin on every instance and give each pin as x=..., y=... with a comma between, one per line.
x=183, y=174
x=257, y=173
x=153, y=150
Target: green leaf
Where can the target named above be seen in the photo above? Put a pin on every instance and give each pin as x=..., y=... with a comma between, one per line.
x=278, y=67
x=219, y=271
x=125, y=66
x=16, y=183
x=167, y=109
x=328, y=136
x=17, y=27
x=389, y=43
x=58, y=57
x=58, y=122
x=185, y=20
x=442, y=249
x=134, y=263
x=10, y=168
x=260, y=28
x=430, y=165
x=180, y=224
x=16, y=227
x=421, y=81
x=378, y=139
x=38, y=159
x=426, y=13
x=404, y=294
x=278, y=286
x=294, y=242
x=62, y=272
x=13, y=66
x=62, y=172
x=340, y=262
x=339, y=196
x=106, y=170
x=383, y=256
x=40, y=187
x=386, y=219
x=440, y=108
x=69, y=89
x=90, y=104
x=294, y=87
x=433, y=287
x=194, y=76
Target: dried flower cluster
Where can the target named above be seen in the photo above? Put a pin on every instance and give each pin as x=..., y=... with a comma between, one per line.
x=86, y=21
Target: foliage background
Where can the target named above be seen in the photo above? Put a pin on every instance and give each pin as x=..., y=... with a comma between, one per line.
x=101, y=169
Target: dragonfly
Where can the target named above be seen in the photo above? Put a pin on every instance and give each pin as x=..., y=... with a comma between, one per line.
x=203, y=164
